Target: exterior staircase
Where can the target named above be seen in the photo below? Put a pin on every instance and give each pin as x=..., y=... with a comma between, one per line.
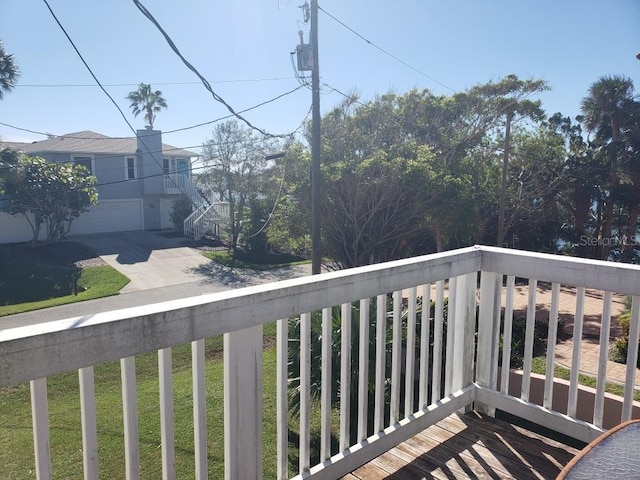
x=208, y=215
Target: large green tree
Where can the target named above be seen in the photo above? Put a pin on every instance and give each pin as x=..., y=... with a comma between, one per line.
x=235, y=163
x=608, y=110
x=9, y=71
x=434, y=146
x=289, y=227
x=411, y=173
x=508, y=100
x=49, y=195
x=146, y=100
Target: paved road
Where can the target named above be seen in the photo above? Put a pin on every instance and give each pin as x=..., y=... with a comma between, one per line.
x=161, y=269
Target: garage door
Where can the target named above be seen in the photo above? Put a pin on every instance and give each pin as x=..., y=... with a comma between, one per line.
x=110, y=216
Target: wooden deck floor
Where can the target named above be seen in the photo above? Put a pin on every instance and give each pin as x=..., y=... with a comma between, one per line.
x=470, y=446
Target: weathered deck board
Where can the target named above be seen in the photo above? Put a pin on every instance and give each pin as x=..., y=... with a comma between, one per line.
x=470, y=446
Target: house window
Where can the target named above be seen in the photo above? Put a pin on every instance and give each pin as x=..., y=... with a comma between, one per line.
x=165, y=166
x=87, y=162
x=131, y=170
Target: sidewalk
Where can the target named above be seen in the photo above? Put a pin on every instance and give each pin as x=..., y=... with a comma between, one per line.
x=590, y=347
x=216, y=278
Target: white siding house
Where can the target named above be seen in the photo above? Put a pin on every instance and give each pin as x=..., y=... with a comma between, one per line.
x=135, y=176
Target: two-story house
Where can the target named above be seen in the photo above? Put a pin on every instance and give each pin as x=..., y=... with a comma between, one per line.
x=138, y=179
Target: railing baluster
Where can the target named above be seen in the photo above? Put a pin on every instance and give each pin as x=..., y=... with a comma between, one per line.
x=243, y=403
x=363, y=371
x=166, y=414
x=396, y=364
x=632, y=359
x=507, y=335
x=199, y=409
x=88, y=420
x=449, y=352
x=438, y=325
x=130, y=414
x=425, y=327
x=40, y=419
x=381, y=354
x=396, y=350
x=325, y=400
x=528, y=339
x=578, y=322
x=345, y=375
x=605, y=327
x=488, y=335
x=551, y=345
x=282, y=397
x=410, y=357
x=305, y=394
x=464, y=332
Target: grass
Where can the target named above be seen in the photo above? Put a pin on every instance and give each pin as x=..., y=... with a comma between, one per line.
x=255, y=261
x=16, y=457
x=538, y=365
x=16, y=440
x=41, y=277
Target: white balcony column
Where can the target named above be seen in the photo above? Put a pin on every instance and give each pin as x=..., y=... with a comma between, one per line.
x=464, y=331
x=243, y=403
x=488, y=335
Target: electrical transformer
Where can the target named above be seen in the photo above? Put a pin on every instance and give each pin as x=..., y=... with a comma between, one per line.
x=305, y=57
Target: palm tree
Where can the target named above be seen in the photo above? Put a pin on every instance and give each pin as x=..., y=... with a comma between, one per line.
x=148, y=101
x=606, y=110
x=9, y=71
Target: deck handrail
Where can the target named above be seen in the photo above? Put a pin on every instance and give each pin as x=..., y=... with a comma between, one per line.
x=467, y=375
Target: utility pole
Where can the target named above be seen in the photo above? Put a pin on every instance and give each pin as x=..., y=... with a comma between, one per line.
x=503, y=186
x=316, y=255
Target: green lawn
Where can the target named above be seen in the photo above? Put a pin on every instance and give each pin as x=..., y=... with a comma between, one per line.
x=45, y=276
x=254, y=261
x=538, y=365
x=16, y=441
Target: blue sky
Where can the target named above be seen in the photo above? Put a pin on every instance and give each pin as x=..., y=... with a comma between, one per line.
x=242, y=47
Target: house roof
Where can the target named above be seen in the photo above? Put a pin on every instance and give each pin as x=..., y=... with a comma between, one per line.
x=91, y=142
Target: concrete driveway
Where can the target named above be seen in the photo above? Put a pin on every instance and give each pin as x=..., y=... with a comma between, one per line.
x=149, y=259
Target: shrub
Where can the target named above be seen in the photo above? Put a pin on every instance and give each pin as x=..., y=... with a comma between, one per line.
x=540, y=336
x=182, y=208
x=620, y=347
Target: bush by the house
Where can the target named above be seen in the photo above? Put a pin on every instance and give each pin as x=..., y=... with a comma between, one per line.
x=182, y=208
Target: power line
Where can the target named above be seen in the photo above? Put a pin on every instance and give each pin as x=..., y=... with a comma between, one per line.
x=192, y=169
x=102, y=184
x=74, y=85
x=122, y=155
x=103, y=89
x=164, y=132
x=106, y=157
x=385, y=51
x=241, y=111
x=204, y=81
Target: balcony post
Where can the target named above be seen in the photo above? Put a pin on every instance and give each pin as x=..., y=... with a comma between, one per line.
x=243, y=403
x=464, y=326
x=488, y=336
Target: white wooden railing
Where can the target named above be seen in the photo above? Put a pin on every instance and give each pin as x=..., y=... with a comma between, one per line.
x=457, y=370
x=204, y=217
x=180, y=183
x=206, y=211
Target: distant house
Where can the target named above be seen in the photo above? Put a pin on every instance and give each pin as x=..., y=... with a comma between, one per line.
x=139, y=180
